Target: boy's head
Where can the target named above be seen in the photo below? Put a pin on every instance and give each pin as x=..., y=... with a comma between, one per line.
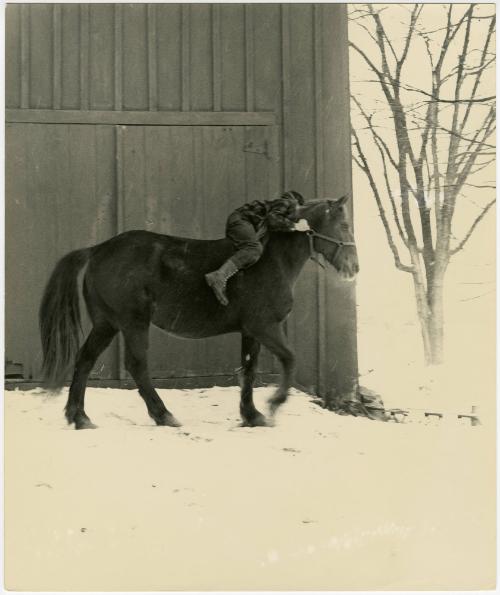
x=294, y=195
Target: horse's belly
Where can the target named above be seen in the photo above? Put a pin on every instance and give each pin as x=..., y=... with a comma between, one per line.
x=189, y=322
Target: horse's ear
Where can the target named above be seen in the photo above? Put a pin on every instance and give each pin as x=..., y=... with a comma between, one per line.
x=342, y=200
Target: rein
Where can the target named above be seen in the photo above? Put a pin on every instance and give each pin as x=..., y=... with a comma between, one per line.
x=311, y=234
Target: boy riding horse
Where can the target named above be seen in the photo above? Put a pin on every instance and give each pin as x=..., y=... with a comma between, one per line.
x=247, y=228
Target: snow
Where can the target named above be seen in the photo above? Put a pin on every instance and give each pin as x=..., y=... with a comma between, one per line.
x=319, y=501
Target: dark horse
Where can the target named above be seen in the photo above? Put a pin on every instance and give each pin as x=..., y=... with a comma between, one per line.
x=138, y=278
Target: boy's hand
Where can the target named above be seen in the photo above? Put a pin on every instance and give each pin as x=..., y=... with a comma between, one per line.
x=302, y=225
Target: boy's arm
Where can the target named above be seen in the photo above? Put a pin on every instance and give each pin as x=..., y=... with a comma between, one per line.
x=281, y=215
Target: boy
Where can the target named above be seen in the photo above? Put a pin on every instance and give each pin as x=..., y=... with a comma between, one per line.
x=247, y=227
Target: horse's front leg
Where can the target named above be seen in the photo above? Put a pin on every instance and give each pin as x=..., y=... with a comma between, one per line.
x=274, y=339
x=250, y=349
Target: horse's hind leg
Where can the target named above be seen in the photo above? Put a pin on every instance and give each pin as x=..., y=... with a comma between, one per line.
x=274, y=339
x=250, y=349
x=136, y=349
x=97, y=341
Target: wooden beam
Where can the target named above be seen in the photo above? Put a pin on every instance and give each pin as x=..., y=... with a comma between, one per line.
x=140, y=118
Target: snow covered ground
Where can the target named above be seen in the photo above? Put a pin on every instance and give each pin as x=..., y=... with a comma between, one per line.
x=320, y=501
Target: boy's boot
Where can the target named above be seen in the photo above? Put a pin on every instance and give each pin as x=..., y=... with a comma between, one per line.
x=218, y=279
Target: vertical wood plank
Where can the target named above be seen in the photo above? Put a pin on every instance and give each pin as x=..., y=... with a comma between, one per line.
x=70, y=56
x=168, y=36
x=301, y=149
x=152, y=58
x=84, y=56
x=120, y=189
x=25, y=55
x=266, y=34
x=13, y=70
x=200, y=52
x=249, y=58
x=285, y=122
x=57, y=56
x=216, y=59
x=135, y=57
x=41, y=56
x=200, y=352
x=186, y=58
x=319, y=162
x=118, y=57
x=341, y=296
x=285, y=94
x=233, y=57
x=120, y=226
x=273, y=134
x=318, y=98
x=198, y=169
x=101, y=57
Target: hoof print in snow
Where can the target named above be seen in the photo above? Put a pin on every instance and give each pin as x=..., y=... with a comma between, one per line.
x=43, y=485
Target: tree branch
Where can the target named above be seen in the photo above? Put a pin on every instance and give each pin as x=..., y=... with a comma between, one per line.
x=365, y=167
x=479, y=74
x=472, y=228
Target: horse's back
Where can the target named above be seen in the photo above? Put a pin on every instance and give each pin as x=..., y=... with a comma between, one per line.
x=143, y=249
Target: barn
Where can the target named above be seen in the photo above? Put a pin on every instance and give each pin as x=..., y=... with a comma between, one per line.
x=165, y=117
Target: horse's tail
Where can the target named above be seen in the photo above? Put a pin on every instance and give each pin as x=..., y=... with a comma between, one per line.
x=59, y=318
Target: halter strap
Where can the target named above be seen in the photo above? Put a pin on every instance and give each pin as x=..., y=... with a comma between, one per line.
x=311, y=234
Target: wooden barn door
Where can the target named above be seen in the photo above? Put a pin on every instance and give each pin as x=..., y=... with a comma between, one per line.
x=184, y=181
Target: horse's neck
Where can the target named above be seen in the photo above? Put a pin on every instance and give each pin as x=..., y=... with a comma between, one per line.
x=291, y=250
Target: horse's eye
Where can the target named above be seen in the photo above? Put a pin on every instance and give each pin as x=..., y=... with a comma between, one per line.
x=344, y=226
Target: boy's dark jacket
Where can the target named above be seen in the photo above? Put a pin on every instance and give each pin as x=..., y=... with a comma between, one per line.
x=271, y=215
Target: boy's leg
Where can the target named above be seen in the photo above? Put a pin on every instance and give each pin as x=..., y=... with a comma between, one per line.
x=248, y=251
x=244, y=238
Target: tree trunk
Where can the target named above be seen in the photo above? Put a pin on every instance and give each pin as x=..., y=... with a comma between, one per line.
x=431, y=324
x=430, y=312
x=436, y=324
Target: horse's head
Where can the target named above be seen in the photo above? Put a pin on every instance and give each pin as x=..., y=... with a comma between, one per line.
x=333, y=237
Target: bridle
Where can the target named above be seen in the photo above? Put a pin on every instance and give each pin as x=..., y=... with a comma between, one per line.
x=311, y=234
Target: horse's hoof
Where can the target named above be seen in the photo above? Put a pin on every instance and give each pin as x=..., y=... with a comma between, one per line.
x=257, y=420
x=84, y=424
x=274, y=404
x=167, y=419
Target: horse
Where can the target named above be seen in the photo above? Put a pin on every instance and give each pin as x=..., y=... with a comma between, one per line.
x=139, y=278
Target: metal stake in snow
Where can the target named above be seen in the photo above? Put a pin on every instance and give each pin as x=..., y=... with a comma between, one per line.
x=473, y=416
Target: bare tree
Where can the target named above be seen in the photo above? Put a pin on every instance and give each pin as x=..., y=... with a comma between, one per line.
x=424, y=136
